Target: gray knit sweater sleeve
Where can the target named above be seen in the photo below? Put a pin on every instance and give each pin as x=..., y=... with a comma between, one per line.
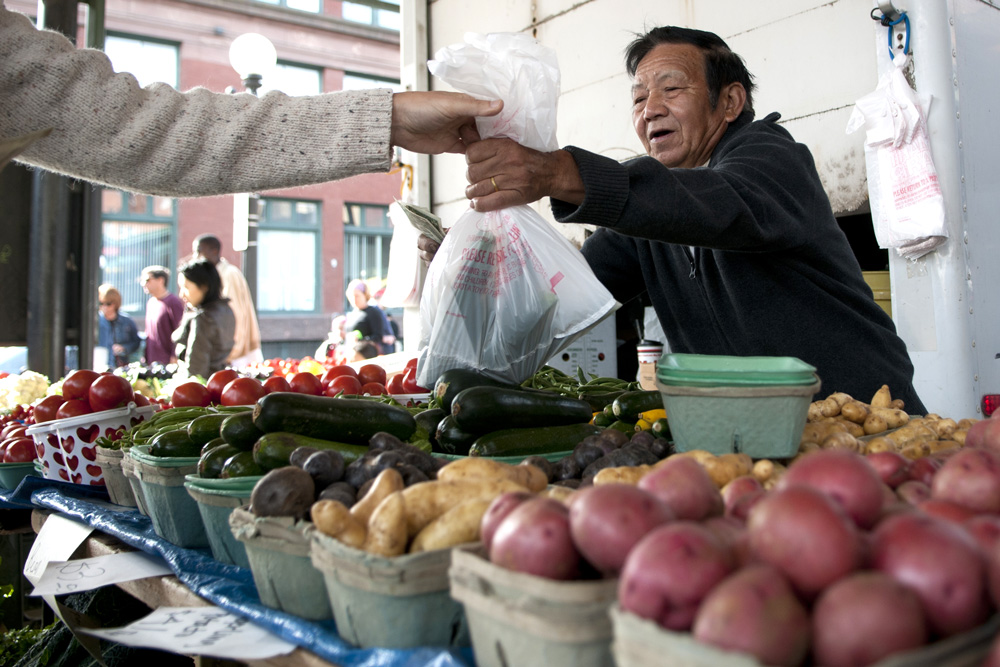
x=157, y=140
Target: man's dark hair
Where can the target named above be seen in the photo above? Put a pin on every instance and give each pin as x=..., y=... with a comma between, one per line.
x=210, y=240
x=722, y=66
x=366, y=349
x=204, y=274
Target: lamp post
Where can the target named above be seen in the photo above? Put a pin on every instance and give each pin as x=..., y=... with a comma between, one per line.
x=252, y=56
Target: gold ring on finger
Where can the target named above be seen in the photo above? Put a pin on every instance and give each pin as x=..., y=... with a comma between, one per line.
x=494, y=182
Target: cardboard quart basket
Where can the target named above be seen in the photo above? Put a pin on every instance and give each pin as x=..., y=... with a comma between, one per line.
x=400, y=602
x=525, y=620
x=642, y=643
x=66, y=446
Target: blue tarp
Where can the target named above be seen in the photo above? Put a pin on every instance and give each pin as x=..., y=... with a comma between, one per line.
x=226, y=586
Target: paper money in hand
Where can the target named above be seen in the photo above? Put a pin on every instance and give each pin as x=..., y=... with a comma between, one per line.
x=424, y=221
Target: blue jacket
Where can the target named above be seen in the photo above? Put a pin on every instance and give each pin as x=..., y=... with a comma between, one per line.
x=121, y=330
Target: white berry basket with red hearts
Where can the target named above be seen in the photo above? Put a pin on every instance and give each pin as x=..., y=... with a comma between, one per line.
x=67, y=447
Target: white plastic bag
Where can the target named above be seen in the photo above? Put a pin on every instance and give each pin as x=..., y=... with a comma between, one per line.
x=903, y=188
x=505, y=291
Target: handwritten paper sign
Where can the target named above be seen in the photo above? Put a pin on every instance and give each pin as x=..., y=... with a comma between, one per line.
x=56, y=541
x=205, y=631
x=87, y=574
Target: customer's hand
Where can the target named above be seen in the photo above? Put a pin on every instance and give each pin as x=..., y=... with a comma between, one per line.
x=435, y=122
x=427, y=248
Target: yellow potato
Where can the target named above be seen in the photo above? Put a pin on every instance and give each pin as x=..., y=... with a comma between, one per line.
x=945, y=428
x=388, y=481
x=841, y=441
x=334, y=519
x=762, y=470
x=882, y=397
x=893, y=418
x=880, y=444
x=855, y=411
x=897, y=404
x=966, y=423
x=387, y=534
x=958, y=435
x=473, y=467
x=875, y=423
x=427, y=501
x=727, y=467
x=807, y=447
x=841, y=398
x=458, y=525
x=557, y=492
x=916, y=450
x=621, y=475
x=818, y=431
x=855, y=429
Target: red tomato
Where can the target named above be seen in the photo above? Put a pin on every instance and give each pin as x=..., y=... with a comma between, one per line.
x=395, y=385
x=412, y=363
x=410, y=385
x=77, y=384
x=191, y=395
x=139, y=399
x=45, y=410
x=336, y=372
x=371, y=373
x=276, y=383
x=11, y=430
x=73, y=408
x=306, y=383
x=109, y=392
x=217, y=381
x=19, y=450
x=242, y=391
x=344, y=383
x=373, y=389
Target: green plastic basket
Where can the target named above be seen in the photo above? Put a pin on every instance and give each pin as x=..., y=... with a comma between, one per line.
x=11, y=474
x=173, y=512
x=215, y=505
x=722, y=370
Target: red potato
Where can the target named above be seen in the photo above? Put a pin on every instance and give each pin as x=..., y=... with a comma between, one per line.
x=865, y=617
x=844, y=476
x=970, y=477
x=985, y=529
x=947, y=510
x=732, y=533
x=939, y=561
x=737, y=489
x=535, y=538
x=682, y=483
x=923, y=470
x=984, y=434
x=741, y=508
x=993, y=657
x=498, y=510
x=606, y=521
x=913, y=492
x=755, y=611
x=670, y=571
x=806, y=535
x=892, y=467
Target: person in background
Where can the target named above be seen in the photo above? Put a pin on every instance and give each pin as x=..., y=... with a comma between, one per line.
x=334, y=338
x=204, y=338
x=363, y=349
x=366, y=318
x=392, y=340
x=160, y=141
x=164, y=312
x=246, y=346
x=116, y=331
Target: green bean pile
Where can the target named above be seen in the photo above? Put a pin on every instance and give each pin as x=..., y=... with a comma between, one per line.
x=172, y=419
x=596, y=390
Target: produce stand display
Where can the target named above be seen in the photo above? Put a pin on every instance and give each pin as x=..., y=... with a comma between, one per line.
x=482, y=523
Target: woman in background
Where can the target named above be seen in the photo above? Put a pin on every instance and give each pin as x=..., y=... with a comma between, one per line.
x=115, y=331
x=204, y=338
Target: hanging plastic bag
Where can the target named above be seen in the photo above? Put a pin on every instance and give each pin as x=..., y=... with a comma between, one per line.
x=506, y=291
x=903, y=188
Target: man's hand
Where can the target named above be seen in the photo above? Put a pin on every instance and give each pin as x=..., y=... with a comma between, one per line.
x=503, y=173
x=435, y=122
x=427, y=248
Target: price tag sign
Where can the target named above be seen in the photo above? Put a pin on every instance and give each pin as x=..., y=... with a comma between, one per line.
x=60, y=578
x=56, y=541
x=205, y=631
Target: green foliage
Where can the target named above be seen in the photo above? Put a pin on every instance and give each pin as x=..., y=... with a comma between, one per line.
x=15, y=643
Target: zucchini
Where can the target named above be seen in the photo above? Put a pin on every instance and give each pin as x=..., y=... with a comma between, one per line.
x=174, y=443
x=629, y=405
x=241, y=464
x=428, y=420
x=530, y=441
x=455, y=380
x=272, y=450
x=350, y=420
x=487, y=409
x=451, y=439
x=211, y=462
x=205, y=428
x=239, y=430
x=599, y=401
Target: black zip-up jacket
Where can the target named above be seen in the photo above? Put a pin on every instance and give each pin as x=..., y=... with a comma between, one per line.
x=742, y=257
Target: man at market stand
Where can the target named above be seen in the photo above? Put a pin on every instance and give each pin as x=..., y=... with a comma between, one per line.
x=725, y=223
x=164, y=312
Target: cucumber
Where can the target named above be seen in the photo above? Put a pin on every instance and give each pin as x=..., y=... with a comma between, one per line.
x=174, y=443
x=428, y=420
x=628, y=406
x=211, y=462
x=350, y=420
x=451, y=439
x=239, y=430
x=487, y=409
x=599, y=401
x=212, y=444
x=241, y=464
x=205, y=428
x=455, y=380
x=530, y=441
x=272, y=450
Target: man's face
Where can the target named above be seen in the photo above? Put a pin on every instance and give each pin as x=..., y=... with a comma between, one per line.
x=151, y=285
x=671, y=112
x=206, y=251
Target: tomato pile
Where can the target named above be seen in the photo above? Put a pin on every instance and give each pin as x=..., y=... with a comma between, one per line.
x=15, y=445
x=85, y=392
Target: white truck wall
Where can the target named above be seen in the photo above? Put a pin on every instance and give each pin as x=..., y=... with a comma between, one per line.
x=811, y=60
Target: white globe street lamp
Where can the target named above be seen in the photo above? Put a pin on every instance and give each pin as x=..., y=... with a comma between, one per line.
x=253, y=56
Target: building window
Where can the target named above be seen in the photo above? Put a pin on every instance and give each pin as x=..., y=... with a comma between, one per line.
x=311, y=6
x=362, y=82
x=367, y=234
x=379, y=15
x=288, y=246
x=147, y=60
x=294, y=80
x=136, y=231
